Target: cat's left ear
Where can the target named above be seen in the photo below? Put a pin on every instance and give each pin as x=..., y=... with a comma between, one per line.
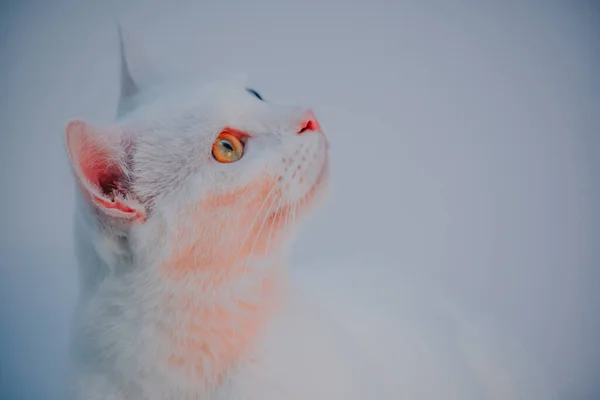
x=137, y=70
x=99, y=160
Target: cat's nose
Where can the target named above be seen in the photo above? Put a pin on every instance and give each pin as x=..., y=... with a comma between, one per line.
x=309, y=123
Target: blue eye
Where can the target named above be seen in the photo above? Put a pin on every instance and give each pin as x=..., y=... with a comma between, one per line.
x=255, y=94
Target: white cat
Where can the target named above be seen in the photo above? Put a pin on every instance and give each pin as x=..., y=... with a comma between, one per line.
x=186, y=207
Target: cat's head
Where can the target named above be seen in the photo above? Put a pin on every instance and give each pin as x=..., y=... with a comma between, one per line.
x=209, y=172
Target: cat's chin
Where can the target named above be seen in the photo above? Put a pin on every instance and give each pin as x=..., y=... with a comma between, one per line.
x=321, y=186
x=317, y=194
x=321, y=191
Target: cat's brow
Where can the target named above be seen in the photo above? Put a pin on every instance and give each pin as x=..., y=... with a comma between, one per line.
x=255, y=93
x=237, y=133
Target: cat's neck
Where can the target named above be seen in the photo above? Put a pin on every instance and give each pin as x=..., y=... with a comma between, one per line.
x=216, y=320
x=210, y=317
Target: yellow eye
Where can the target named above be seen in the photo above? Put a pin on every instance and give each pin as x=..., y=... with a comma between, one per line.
x=227, y=148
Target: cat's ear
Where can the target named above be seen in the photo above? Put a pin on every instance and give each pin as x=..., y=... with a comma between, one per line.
x=137, y=71
x=99, y=160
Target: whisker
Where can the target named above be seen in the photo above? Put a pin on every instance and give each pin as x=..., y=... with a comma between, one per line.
x=239, y=251
x=272, y=225
x=289, y=215
x=279, y=210
x=294, y=214
x=266, y=216
x=253, y=222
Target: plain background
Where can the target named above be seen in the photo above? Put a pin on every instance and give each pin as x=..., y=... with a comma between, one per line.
x=465, y=148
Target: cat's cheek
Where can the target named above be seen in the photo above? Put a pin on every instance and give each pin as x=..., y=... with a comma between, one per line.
x=225, y=229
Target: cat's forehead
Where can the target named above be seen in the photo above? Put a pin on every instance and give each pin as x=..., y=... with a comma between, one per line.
x=179, y=97
x=206, y=107
x=217, y=92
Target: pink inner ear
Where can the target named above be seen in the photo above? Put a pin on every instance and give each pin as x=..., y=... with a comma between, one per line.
x=99, y=168
x=97, y=165
x=94, y=160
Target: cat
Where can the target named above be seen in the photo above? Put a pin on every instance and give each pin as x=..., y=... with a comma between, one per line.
x=186, y=209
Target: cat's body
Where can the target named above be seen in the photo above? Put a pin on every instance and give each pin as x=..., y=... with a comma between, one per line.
x=185, y=211
x=298, y=354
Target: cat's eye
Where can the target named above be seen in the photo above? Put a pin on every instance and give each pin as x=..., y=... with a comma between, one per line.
x=227, y=148
x=255, y=94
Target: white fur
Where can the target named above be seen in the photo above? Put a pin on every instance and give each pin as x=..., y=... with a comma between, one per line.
x=334, y=337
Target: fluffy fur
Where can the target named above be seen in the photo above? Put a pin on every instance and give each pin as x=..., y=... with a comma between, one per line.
x=185, y=292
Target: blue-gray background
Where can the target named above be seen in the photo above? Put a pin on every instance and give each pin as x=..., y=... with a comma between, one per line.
x=465, y=135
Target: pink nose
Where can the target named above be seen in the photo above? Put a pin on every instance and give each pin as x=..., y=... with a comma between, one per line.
x=309, y=123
